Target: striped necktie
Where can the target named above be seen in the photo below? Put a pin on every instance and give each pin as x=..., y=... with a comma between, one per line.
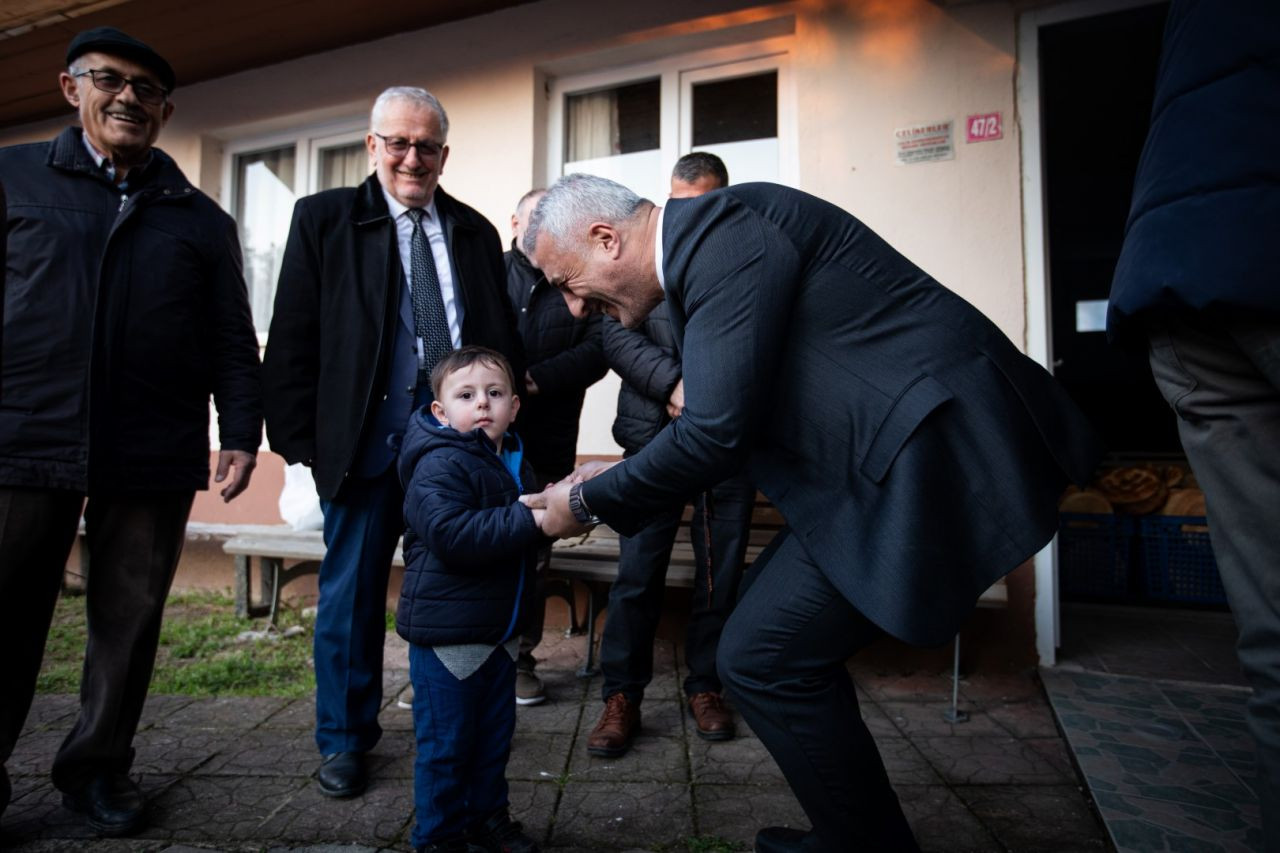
x=430, y=324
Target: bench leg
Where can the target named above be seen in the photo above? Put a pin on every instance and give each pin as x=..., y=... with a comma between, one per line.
x=564, y=588
x=243, y=570
x=245, y=608
x=589, y=668
x=271, y=589
x=954, y=714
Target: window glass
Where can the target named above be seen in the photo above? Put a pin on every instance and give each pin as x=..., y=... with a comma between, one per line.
x=343, y=166
x=736, y=110
x=265, y=190
x=607, y=123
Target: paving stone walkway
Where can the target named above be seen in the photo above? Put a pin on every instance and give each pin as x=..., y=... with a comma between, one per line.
x=235, y=774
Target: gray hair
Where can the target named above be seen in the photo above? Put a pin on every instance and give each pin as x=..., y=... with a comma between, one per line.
x=415, y=95
x=575, y=201
x=531, y=195
x=79, y=66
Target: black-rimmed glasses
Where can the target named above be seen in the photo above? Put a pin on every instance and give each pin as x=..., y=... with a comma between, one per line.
x=113, y=84
x=398, y=146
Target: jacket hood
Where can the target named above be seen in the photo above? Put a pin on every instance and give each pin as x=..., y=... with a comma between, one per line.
x=425, y=433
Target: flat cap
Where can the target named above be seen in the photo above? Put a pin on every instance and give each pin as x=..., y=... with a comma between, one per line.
x=112, y=41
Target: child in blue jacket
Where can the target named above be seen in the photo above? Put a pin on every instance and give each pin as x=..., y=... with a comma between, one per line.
x=470, y=552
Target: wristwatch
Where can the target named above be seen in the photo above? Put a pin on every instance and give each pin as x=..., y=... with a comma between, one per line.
x=579, y=508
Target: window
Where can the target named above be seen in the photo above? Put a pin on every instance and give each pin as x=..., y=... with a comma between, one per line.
x=631, y=125
x=265, y=183
x=266, y=177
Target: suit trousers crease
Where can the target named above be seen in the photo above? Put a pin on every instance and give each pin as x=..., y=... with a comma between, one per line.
x=782, y=659
x=362, y=525
x=134, y=542
x=1221, y=376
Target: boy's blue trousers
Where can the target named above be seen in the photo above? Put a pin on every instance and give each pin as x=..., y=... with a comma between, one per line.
x=463, y=729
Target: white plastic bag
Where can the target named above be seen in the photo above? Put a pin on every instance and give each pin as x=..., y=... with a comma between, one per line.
x=299, y=503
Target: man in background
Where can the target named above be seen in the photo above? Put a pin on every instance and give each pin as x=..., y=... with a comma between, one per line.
x=648, y=360
x=564, y=359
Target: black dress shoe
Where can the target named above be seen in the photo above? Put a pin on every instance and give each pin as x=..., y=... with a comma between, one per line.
x=111, y=802
x=781, y=839
x=343, y=774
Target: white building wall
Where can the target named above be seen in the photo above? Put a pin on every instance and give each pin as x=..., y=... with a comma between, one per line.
x=860, y=69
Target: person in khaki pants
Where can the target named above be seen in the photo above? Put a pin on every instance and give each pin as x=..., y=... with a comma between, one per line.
x=1196, y=285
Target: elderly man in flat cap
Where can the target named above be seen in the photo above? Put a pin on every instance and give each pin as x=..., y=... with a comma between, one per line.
x=125, y=309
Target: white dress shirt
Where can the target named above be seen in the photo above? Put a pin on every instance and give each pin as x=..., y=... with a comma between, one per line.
x=439, y=250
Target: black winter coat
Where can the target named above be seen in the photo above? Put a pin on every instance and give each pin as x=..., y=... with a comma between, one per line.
x=470, y=547
x=335, y=316
x=121, y=318
x=1206, y=198
x=564, y=357
x=647, y=360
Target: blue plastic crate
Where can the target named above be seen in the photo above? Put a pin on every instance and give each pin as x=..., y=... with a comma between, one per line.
x=1178, y=560
x=1095, y=555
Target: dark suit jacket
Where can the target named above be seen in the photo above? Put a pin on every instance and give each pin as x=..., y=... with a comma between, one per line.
x=335, y=316
x=916, y=453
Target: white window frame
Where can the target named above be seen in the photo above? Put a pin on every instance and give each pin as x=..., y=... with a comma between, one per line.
x=307, y=143
x=676, y=75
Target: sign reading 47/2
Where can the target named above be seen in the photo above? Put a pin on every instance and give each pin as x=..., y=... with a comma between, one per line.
x=983, y=128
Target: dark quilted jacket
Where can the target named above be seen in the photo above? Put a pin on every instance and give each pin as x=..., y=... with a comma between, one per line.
x=470, y=545
x=646, y=359
x=1206, y=199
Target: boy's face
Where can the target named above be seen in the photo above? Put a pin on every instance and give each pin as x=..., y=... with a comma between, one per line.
x=477, y=396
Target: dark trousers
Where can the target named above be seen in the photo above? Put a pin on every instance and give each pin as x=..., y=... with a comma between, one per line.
x=134, y=543
x=782, y=658
x=361, y=527
x=464, y=730
x=720, y=531
x=1221, y=375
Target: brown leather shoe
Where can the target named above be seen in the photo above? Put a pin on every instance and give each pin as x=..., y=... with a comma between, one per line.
x=618, y=725
x=711, y=716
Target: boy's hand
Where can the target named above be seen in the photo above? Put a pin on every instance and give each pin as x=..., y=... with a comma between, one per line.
x=587, y=470
x=536, y=501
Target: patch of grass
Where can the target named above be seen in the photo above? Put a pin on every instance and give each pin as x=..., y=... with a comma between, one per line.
x=202, y=651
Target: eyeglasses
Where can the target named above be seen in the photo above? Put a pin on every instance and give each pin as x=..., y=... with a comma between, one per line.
x=113, y=83
x=398, y=146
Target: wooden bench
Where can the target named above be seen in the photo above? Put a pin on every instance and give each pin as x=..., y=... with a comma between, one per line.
x=591, y=560
x=271, y=546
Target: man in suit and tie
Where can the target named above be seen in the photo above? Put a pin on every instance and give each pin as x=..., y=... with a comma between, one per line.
x=377, y=282
x=916, y=455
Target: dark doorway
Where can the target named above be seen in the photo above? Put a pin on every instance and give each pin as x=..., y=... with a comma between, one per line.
x=1097, y=84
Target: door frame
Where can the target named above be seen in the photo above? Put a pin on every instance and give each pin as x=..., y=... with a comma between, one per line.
x=1035, y=254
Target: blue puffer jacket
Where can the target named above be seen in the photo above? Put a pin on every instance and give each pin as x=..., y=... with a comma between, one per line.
x=470, y=546
x=1206, y=199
